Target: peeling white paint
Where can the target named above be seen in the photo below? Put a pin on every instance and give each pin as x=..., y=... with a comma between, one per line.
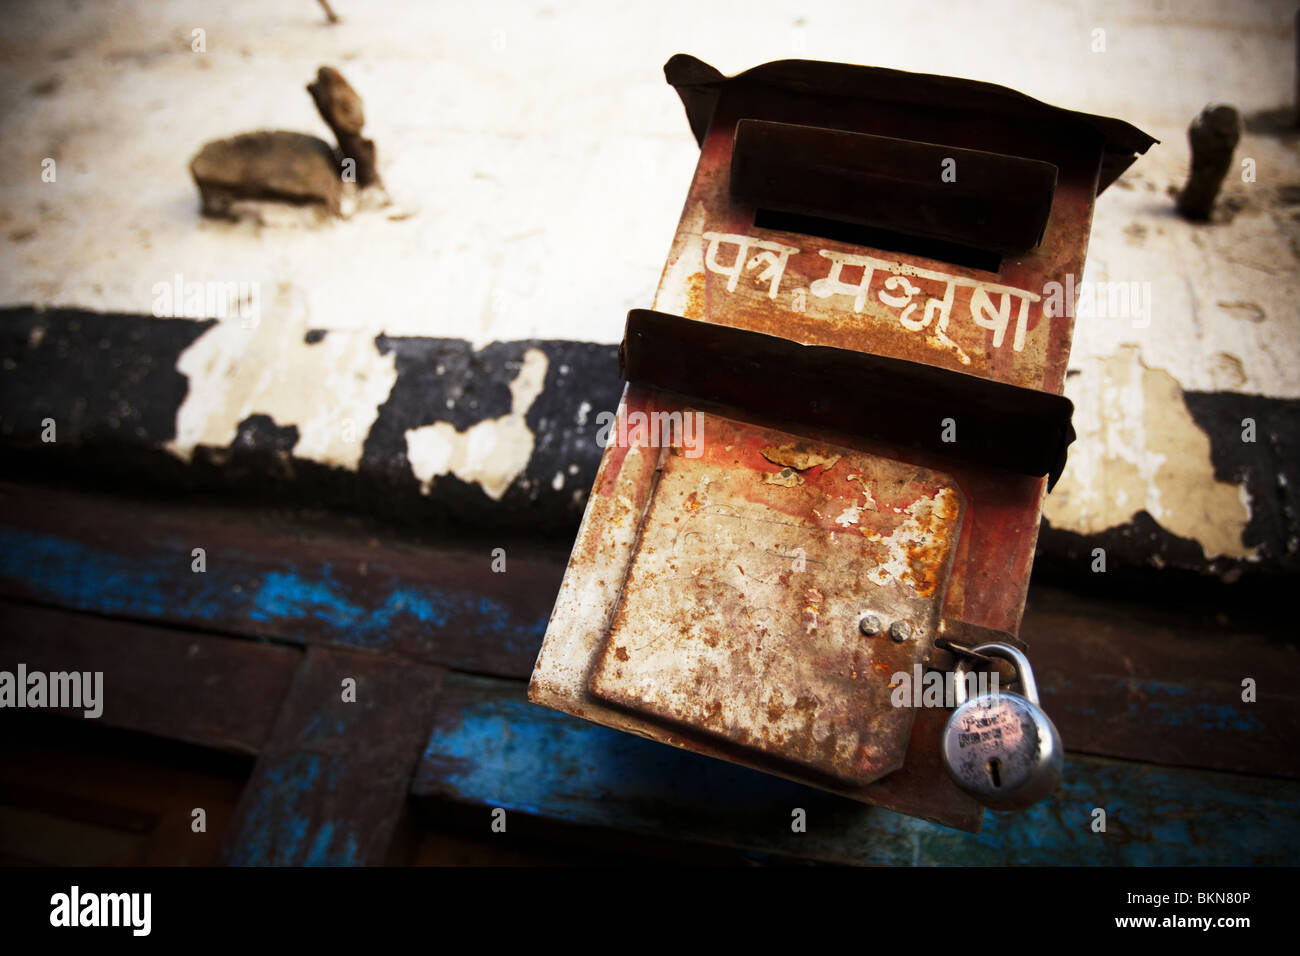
x=1140, y=449
x=491, y=453
x=331, y=390
x=849, y=516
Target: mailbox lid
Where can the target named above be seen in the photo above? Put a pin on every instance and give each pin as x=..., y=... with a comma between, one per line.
x=699, y=85
x=593, y=583
x=759, y=554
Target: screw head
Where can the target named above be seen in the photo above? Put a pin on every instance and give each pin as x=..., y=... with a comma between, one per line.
x=870, y=625
x=900, y=631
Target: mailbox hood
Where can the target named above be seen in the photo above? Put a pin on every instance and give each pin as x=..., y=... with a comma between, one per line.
x=699, y=86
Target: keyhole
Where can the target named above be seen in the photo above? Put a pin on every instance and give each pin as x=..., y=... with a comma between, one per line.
x=993, y=766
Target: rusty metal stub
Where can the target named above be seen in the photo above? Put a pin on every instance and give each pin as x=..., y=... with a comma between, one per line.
x=757, y=561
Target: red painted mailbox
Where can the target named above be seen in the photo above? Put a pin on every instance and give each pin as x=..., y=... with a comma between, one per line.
x=826, y=475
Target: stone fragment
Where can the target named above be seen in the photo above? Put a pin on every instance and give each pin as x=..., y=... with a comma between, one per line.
x=276, y=166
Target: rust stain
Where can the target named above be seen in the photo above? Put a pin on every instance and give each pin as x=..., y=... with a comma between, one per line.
x=917, y=550
x=812, y=606
x=696, y=306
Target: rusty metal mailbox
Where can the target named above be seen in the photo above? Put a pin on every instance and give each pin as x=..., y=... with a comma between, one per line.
x=841, y=416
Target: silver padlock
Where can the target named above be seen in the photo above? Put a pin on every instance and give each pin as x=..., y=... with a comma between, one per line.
x=1000, y=747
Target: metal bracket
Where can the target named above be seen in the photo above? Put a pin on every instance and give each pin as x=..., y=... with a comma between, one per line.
x=1020, y=429
x=955, y=639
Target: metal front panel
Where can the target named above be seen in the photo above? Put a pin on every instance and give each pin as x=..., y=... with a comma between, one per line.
x=726, y=268
x=757, y=561
x=591, y=592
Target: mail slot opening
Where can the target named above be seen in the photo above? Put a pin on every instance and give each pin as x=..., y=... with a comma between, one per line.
x=874, y=237
x=993, y=203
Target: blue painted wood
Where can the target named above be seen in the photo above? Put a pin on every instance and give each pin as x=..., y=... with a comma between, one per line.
x=330, y=786
x=442, y=606
x=1152, y=682
x=492, y=748
x=213, y=691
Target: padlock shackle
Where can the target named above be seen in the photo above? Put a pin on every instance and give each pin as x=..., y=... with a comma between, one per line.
x=1006, y=652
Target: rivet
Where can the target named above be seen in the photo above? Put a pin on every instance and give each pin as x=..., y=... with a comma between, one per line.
x=869, y=625
x=900, y=631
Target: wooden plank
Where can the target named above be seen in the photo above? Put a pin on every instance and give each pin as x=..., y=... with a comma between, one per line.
x=490, y=748
x=268, y=577
x=212, y=691
x=1148, y=683
x=80, y=793
x=331, y=784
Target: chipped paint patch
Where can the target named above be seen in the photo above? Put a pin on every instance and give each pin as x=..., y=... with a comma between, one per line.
x=1139, y=449
x=798, y=457
x=785, y=478
x=849, y=516
x=868, y=502
x=491, y=453
x=330, y=390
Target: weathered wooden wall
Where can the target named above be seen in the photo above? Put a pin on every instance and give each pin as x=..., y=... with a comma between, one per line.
x=249, y=657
